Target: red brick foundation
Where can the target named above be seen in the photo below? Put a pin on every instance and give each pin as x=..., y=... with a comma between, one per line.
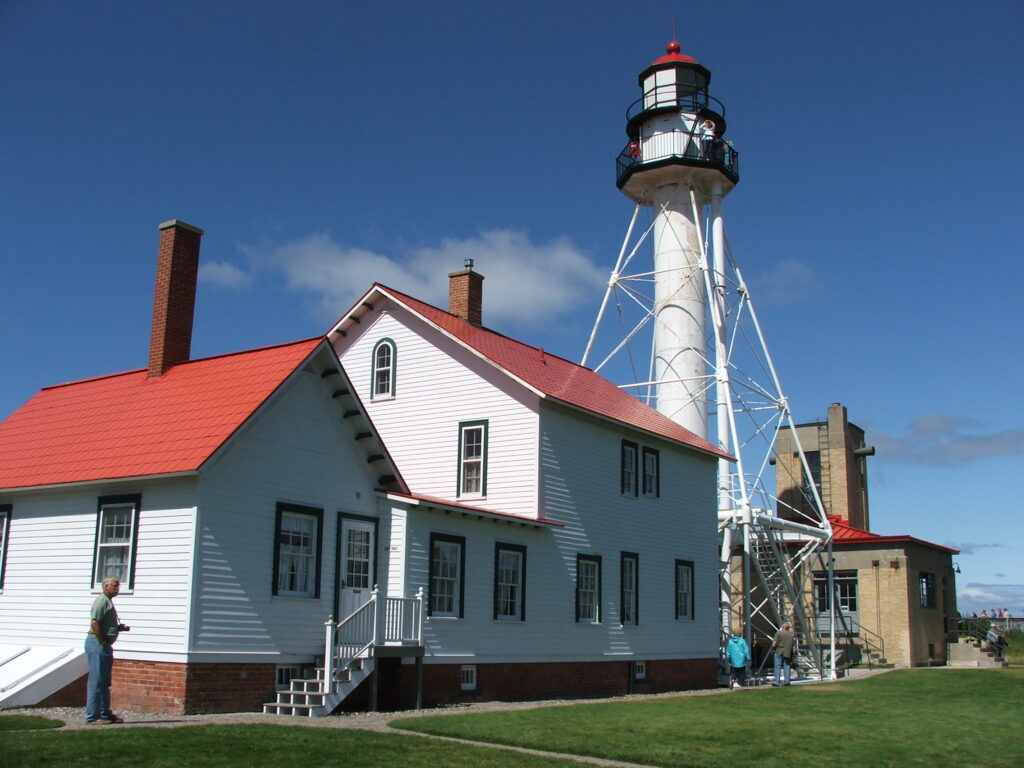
x=179, y=689
x=152, y=686
x=524, y=682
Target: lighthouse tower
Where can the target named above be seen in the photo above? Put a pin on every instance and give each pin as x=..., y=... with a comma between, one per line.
x=676, y=162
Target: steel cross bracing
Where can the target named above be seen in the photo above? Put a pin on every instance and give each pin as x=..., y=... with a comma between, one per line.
x=769, y=549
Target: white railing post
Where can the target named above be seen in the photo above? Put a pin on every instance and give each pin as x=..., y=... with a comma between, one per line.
x=419, y=616
x=329, y=655
x=378, y=617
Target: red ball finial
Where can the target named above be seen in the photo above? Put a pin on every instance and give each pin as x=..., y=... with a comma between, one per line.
x=673, y=47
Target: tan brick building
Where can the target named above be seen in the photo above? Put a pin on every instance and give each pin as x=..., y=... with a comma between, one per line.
x=894, y=593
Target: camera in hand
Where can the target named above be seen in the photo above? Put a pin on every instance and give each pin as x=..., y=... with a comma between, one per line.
x=123, y=628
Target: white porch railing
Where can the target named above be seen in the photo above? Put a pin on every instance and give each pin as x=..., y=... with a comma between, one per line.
x=380, y=620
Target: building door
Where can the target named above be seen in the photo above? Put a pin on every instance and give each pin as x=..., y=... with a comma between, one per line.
x=358, y=546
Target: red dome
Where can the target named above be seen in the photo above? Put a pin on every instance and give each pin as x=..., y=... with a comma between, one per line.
x=672, y=54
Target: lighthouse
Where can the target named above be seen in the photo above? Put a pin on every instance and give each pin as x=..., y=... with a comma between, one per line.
x=678, y=163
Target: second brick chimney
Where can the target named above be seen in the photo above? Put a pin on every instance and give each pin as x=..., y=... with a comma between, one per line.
x=174, y=297
x=466, y=294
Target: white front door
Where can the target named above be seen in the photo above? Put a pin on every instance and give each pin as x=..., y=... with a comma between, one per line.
x=357, y=556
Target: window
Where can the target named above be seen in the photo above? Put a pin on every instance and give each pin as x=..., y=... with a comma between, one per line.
x=117, y=528
x=639, y=670
x=684, y=589
x=384, y=354
x=927, y=583
x=629, y=456
x=5, y=533
x=297, y=547
x=845, y=585
x=467, y=680
x=814, y=465
x=509, y=582
x=473, y=458
x=588, y=589
x=447, y=575
x=651, y=480
x=629, y=597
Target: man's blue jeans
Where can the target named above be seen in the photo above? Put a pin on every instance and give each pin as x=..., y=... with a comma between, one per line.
x=782, y=663
x=101, y=661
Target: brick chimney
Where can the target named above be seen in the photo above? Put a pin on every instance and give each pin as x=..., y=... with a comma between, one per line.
x=174, y=297
x=466, y=294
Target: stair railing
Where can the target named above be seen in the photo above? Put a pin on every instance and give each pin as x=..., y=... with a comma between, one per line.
x=378, y=621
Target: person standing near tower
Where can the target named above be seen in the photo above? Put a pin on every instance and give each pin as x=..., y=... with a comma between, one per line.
x=782, y=645
x=103, y=631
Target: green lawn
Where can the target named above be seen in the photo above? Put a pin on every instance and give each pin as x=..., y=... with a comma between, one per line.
x=248, y=746
x=928, y=718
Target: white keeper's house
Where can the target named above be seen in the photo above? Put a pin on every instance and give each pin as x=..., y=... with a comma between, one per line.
x=478, y=518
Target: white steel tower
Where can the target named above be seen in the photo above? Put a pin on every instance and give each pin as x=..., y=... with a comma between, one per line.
x=707, y=354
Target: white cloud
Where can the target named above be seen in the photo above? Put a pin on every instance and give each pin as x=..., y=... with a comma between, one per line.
x=788, y=282
x=223, y=275
x=940, y=440
x=525, y=284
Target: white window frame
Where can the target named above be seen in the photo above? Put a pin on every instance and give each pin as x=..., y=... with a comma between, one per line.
x=629, y=454
x=629, y=589
x=288, y=554
x=684, y=590
x=472, y=479
x=509, y=582
x=450, y=585
x=5, y=534
x=384, y=372
x=651, y=472
x=588, y=589
x=467, y=678
x=114, y=537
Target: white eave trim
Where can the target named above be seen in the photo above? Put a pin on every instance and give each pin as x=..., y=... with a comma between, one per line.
x=102, y=481
x=465, y=511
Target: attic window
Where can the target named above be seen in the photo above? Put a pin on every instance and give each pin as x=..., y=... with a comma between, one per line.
x=384, y=360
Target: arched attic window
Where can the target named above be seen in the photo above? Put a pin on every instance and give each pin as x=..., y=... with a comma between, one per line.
x=384, y=357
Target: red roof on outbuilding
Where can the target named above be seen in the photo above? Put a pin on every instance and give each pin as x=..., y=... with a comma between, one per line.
x=844, y=533
x=555, y=377
x=129, y=425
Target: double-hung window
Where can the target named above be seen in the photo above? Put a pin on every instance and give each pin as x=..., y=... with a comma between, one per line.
x=629, y=455
x=384, y=359
x=509, y=582
x=117, y=530
x=298, y=547
x=5, y=534
x=472, y=458
x=588, y=589
x=927, y=586
x=652, y=482
x=684, y=589
x=629, y=573
x=447, y=575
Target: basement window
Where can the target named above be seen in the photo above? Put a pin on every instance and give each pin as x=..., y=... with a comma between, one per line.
x=285, y=674
x=468, y=678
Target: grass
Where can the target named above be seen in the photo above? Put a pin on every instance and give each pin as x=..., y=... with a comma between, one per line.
x=245, y=746
x=928, y=718
x=1014, y=650
x=28, y=723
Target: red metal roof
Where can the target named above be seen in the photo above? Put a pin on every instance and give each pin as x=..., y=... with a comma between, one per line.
x=553, y=376
x=844, y=533
x=129, y=425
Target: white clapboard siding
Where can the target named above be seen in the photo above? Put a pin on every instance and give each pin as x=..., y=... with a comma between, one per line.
x=297, y=450
x=581, y=489
x=438, y=385
x=48, y=584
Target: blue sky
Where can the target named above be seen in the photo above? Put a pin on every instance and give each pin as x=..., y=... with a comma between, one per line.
x=325, y=145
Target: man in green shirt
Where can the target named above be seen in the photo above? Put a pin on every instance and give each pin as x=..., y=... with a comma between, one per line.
x=103, y=630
